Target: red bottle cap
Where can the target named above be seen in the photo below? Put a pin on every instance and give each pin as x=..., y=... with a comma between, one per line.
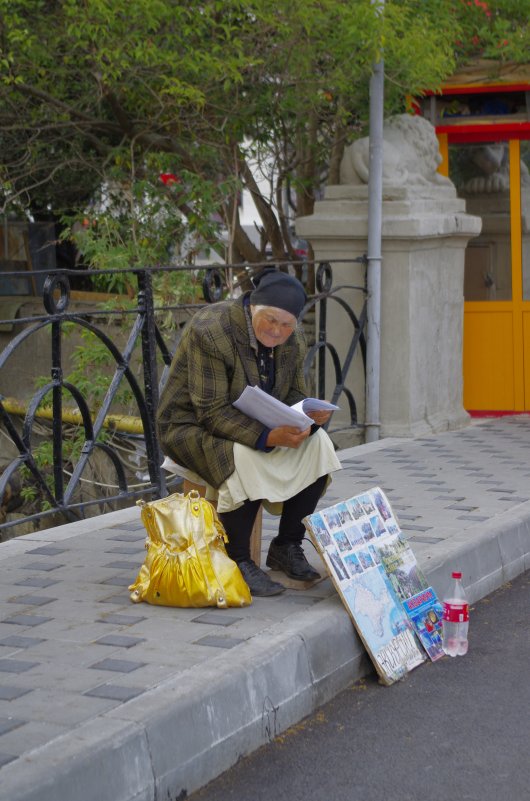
x=456, y=575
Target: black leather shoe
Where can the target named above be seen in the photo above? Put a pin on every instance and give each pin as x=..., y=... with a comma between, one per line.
x=259, y=582
x=291, y=560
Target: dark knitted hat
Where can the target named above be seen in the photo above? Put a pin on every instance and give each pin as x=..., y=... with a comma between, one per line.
x=280, y=290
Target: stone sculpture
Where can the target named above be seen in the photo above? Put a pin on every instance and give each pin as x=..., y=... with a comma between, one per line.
x=411, y=156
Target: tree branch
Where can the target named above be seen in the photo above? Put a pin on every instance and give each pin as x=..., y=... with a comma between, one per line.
x=265, y=212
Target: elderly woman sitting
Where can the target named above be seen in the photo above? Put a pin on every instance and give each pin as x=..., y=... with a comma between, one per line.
x=251, y=341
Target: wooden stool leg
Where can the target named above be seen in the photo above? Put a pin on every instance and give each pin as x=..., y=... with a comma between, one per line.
x=255, y=538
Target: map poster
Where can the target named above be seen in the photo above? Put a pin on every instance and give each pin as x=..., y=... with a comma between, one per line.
x=348, y=536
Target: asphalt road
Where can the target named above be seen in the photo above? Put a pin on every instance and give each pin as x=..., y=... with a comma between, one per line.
x=454, y=730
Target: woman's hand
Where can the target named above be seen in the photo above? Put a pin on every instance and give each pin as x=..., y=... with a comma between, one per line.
x=287, y=437
x=320, y=418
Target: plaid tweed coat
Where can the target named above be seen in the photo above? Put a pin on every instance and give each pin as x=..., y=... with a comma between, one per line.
x=213, y=363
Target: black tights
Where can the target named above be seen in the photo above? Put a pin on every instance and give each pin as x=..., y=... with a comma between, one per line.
x=238, y=524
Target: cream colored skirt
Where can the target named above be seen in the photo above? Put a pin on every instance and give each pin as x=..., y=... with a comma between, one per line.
x=273, y=477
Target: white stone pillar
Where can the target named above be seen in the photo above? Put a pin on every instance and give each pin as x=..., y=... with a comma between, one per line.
x=425, y=232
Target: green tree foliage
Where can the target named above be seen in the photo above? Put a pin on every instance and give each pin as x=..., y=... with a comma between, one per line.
x=100, y=98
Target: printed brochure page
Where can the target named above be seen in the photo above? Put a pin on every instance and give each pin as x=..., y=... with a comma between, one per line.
x=272, y=412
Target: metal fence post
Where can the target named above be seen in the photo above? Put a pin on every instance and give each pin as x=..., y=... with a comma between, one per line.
x=150, y=371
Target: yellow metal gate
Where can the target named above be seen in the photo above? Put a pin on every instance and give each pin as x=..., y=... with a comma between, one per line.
x=494, y=179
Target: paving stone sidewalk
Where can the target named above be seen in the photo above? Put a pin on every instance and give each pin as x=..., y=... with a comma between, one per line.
x=100, y=698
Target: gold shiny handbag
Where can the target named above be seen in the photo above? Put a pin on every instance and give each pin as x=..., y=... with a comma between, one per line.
x=186, y=562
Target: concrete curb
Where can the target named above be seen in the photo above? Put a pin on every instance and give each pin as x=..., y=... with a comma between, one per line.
x=488, y=560
x=186, y=731
x=177, y=737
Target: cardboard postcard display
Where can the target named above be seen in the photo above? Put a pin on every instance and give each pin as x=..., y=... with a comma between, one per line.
x=378, y=579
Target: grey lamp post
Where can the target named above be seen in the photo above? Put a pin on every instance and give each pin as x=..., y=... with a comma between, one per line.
x=373, y=279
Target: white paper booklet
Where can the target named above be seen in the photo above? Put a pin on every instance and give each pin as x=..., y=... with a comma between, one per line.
x=272, y=412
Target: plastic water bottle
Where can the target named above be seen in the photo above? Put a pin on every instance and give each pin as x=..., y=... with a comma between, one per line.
x=455, y=619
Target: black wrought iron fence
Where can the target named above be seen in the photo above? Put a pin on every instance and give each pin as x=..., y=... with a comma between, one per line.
x=59, y=440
